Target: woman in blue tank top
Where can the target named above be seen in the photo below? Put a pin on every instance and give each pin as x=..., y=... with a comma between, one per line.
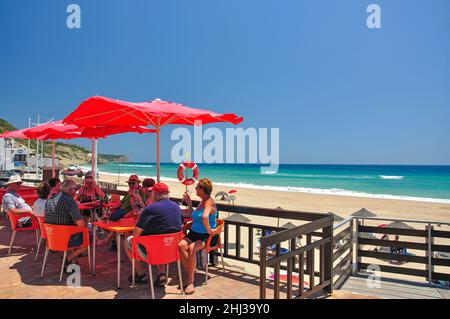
x=204, y=221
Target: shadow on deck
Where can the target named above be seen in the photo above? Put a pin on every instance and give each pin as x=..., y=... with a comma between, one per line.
x=362, y=286
x=20, y=276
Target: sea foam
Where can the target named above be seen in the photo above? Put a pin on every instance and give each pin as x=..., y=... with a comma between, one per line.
x=390, y=177
x=330, y=191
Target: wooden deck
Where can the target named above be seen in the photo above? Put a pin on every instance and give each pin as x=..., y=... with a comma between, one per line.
x=392, y=289
x=20, y=276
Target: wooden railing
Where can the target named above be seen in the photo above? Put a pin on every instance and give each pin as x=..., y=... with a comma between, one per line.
x=342, y=252
x=366, y=248
x=304, y=255
x=240, y=246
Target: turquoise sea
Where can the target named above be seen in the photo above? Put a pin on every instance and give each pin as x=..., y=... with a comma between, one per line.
x=426, y=183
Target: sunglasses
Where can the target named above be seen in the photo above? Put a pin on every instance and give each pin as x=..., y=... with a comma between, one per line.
x=131, y=183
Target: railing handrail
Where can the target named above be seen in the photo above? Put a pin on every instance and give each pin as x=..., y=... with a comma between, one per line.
x=428, y=222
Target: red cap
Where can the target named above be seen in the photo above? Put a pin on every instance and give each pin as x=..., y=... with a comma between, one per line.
x=160, y=188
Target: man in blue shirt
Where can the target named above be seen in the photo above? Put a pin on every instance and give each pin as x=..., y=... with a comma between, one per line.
x=164, y=216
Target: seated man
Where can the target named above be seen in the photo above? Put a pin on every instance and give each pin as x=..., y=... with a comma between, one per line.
x=62, y=209
x=13, y=203
x=164, y=216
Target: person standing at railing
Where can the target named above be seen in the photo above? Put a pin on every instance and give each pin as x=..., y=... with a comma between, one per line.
x=204, y=222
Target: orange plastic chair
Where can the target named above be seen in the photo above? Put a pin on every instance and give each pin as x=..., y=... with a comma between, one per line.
x=43, y=235
x=161, y=250
x=209, y=249
x=14, y=219
x=58, y=237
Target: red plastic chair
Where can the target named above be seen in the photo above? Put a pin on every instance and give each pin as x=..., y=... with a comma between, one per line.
x=161, y=250
x=210, y=248
x=58, y=237
x=14, y=219
x=43, y=234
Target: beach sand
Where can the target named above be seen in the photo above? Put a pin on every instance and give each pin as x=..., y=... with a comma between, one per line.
x=340, y=205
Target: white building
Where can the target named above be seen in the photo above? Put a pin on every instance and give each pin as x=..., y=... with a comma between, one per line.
x=6, y=154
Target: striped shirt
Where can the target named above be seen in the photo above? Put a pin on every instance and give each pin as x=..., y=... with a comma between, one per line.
x=62, y=209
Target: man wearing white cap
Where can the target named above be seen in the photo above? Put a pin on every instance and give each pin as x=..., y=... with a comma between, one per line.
x=13, y=203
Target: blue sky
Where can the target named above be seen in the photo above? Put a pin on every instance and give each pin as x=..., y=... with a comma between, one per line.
x=338, y=91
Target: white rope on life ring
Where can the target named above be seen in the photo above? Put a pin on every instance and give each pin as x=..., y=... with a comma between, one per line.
x=182, y=177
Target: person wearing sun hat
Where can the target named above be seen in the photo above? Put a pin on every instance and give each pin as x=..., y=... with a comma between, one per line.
x=133, y=201
x=13, y=203
x=164, y=216
x=90, y=192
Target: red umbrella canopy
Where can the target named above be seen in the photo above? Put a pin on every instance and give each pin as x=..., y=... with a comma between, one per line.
x=15, y=134
x=58, y=130
x=103, y=111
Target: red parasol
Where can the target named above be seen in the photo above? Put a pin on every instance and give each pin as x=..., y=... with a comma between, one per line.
x=103, y=111
x=15, y=134
x=57, y=130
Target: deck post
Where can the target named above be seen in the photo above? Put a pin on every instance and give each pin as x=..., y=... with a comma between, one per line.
x=355, y=236
x=429, y=241
x=328, y=255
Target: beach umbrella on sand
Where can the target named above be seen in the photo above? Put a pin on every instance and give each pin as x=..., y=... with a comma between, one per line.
x=288, y=225
x=103, y=111
x=237, y=218
x=57, y=130
x=398, y=224
x=337, y=218
x=278, y=218
x=222, y=196
x=364, y=213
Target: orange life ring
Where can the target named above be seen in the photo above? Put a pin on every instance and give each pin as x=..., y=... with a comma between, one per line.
x=195, y=173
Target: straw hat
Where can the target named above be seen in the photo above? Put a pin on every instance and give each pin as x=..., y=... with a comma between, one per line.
x=14, y=179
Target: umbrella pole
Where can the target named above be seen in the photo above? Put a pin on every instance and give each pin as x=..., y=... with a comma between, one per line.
x=92, y=157
x=28, y=152
x=157, y=155
x=96, y=160
x=53, y=160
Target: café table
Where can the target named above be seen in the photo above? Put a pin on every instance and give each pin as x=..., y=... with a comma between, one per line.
x=125, y=225
x=106, y=207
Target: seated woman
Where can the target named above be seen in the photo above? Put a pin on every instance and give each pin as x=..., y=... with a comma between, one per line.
x=43, y=190
x=147, y=186
x=203, y=224
x=90, y=192
x=131, y=205
x=55, y=186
